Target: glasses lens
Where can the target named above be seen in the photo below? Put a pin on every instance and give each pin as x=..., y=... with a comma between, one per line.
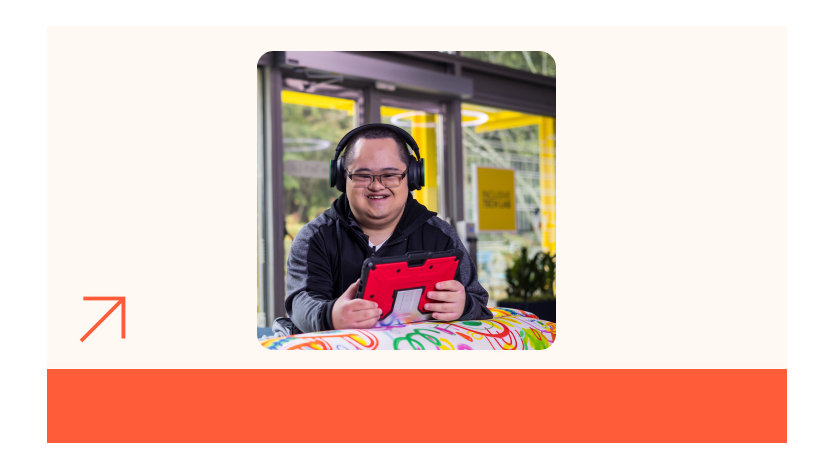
x=391, y=181
x=361, y=180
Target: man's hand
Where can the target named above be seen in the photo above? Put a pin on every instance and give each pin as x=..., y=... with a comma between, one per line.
x=349, y=312
x=450, y=299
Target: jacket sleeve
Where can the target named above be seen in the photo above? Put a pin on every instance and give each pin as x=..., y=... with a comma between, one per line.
x=476, y=295
x=309, y=282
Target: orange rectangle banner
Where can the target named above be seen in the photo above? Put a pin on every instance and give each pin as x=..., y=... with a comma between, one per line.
x=528, y=405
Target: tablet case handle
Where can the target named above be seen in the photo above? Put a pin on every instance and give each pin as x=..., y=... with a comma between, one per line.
x=417, y=258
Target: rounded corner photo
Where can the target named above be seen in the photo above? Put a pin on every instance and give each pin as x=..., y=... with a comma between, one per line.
x=406, y=200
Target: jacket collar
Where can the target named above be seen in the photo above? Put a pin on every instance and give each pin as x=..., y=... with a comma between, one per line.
x=414, y=216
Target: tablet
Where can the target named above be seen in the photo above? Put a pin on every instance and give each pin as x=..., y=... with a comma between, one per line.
x=399, y=284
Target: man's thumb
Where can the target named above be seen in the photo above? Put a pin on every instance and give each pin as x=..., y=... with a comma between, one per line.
x=350, y=293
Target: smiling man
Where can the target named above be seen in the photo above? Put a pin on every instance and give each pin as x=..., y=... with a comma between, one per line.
x=376, y=216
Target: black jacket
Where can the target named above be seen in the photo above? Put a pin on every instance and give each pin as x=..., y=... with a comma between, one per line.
x=327, y=255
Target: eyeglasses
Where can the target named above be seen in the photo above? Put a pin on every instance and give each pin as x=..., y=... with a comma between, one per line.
x=389, y=180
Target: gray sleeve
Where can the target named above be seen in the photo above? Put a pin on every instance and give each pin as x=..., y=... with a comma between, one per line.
x=309, y=282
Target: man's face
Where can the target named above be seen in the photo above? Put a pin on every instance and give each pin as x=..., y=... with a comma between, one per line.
x=374, y=205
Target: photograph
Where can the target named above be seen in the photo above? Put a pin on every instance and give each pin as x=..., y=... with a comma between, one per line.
x=406, y=200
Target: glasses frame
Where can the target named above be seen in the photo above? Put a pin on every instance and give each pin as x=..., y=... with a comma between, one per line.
x=378, y=177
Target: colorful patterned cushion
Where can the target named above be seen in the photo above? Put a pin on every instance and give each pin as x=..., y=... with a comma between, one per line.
x=509, y=329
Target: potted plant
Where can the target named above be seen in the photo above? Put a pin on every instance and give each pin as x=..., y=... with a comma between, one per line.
x=530, y=284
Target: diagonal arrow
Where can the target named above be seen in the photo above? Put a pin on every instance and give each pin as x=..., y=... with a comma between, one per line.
x=119, y=301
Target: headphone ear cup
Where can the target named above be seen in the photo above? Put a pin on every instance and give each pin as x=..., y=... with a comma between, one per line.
x=337, y=176
x=416, y=174
x=421, y=174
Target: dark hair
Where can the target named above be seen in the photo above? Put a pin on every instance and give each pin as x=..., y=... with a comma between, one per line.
x=374, y=133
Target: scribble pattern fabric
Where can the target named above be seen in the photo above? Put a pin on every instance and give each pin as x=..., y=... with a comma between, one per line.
x=509, y=329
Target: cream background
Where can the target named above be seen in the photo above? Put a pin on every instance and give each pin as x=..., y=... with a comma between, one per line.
x=671, y=195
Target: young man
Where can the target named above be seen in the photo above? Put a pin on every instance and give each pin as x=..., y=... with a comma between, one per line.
x=376, y=216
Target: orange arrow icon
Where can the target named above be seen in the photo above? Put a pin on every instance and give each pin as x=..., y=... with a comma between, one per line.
x=119, y=301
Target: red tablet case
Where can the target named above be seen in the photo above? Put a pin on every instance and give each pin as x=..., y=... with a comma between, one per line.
x=385, y=279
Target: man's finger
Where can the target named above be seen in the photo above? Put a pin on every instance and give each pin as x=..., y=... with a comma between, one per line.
x=366, y=313
x=445, y=316
x=441, y=307
x=442, y=296
x=368, y=323
x=449, y=285
x=364, y=318
x=362, y=304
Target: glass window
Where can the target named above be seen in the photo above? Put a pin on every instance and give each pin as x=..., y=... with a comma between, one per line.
x=531, y=61
x=524, y=143
x=426, y=128
x=313, y=125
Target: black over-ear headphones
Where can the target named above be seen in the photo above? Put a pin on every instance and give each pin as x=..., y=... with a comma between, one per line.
x=415, y=170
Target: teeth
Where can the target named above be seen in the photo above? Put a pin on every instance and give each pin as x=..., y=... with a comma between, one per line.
x=376, y=197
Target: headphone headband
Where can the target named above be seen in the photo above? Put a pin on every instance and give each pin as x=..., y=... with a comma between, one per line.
x=415, y=169
x=404, y=136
